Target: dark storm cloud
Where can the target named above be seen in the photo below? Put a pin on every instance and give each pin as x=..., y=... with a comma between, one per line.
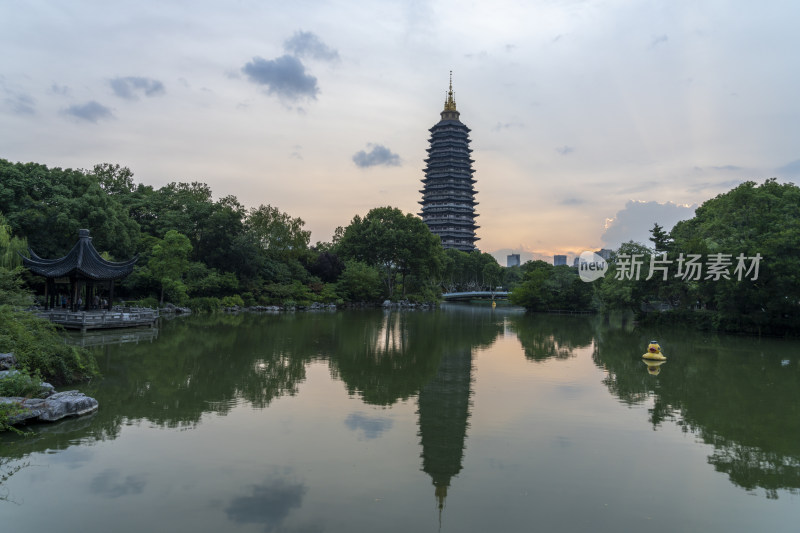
x=372, y=426
x=379, y=155
x=284, y=76
x=90, y=111
x=306, y=44
x=131, y=87
x=268, y=504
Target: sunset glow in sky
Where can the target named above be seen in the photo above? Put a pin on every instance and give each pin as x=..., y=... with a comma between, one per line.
x=590, y=119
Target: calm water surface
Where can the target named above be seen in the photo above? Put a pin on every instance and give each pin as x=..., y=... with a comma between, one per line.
x=462, y=419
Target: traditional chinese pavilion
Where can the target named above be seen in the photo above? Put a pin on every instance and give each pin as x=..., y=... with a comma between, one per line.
x=82, y=273
x=448, y=197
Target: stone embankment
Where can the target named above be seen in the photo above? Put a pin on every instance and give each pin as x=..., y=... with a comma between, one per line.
x=50, y=405
x=316, y=306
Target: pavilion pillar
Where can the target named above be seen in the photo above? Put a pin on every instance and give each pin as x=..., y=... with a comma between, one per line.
x=110, y=294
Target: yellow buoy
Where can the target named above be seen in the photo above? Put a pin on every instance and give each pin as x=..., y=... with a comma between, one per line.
x=654, y=352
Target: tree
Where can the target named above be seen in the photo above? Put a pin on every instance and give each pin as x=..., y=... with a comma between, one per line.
x=747, y=221
x=278, y=234
x=360, y=282
x=169, y=262
x=660, y=239
x=399, y=246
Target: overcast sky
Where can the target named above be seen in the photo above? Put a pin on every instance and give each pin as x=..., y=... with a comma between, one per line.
x=590, y=119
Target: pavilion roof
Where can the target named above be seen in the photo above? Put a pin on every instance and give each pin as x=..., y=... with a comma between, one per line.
x=81, y=261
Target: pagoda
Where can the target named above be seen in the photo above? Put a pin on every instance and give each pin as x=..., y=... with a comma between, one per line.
x=82, y=267
x=448, y=197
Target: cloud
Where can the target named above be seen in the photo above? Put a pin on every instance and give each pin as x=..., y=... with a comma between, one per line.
x=725, y=185
x=565, y=150
x=110, y=484
x=90, y=111
x=731, y=168
x=268, y=504
x=572, y=201
x=507, y=126
x=284, y=76
x=20, y=104
x=132, y=86
x=61, y=90
x=635, y=221
x=658, y=40
x=791, y=170
x=371, y=426
x=306, y=44
x=379, y=155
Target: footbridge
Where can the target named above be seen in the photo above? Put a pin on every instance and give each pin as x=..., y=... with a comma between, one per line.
x=475, y=295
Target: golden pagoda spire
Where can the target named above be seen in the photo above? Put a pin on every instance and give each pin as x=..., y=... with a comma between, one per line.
x=450, y=101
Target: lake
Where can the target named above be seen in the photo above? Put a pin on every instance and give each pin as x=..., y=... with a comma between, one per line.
x=462, y=419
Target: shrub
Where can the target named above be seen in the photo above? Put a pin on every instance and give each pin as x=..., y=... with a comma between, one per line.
x=38, y=349
x=232, y=301
x=21, y=384
x=207, y=304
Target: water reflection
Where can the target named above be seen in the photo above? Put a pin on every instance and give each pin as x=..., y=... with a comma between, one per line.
x=546, y=337
x=267, y=504
x=740, y=395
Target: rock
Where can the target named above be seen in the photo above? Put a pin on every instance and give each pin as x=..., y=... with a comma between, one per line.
x=387, y=303
x=7, y=360
x=55, y=407
x=8, y=373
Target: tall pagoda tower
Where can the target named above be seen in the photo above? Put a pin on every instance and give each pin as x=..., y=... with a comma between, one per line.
x=448, y=197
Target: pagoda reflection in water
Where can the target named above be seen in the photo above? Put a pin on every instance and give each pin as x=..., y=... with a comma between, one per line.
x=444, y=410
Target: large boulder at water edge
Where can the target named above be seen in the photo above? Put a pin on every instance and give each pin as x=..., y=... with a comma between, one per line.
x=55, y=407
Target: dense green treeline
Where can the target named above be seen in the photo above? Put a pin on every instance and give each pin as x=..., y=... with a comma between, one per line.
x=735, y=266
x=206, y=253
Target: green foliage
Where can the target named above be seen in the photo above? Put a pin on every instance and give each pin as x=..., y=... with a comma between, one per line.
x=12, y=291
x=206, y=304
x=748, y=221
x=549, y=288
x=169, y=261
x=471, y=271
x=232, y=301
x=360, y=282
x=39, y=349
x=278, y=234
x=624, y=286
x=399, y=246
x=21, y=384
x=49, y=205
x=10, y=247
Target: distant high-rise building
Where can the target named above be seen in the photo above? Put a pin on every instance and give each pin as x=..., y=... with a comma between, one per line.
x=559, y=260
x=512, y=260
x=605, y=253
x=448, y=197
